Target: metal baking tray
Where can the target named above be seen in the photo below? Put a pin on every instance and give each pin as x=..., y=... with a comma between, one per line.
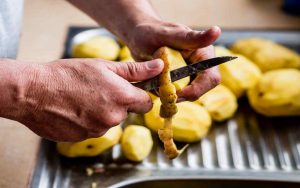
x=248, y=150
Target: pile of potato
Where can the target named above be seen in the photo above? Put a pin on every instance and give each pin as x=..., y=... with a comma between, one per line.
x=266, y=72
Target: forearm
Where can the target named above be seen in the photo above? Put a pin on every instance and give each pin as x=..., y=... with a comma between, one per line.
x=13, y=85
x=119, y=16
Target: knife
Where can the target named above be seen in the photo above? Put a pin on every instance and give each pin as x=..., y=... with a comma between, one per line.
x=189, y=70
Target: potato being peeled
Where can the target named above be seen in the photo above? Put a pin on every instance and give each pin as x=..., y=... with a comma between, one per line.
x=190, y=124
x=97, y=47
x=92, y=146
x=136, y=142
x=266, y=54
x=277, y=93
x=220, y=102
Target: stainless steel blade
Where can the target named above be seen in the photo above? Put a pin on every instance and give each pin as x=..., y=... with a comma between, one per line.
x=183, y=72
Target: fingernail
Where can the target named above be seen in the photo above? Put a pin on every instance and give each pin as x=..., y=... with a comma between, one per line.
x=214, y=29
x=154, y=64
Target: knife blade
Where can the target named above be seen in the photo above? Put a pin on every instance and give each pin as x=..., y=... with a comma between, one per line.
x=183, y=72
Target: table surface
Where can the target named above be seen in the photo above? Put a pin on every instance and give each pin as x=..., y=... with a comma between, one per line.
x=45, y=26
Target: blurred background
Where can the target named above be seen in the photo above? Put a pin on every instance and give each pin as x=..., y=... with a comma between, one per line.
x=45, y=27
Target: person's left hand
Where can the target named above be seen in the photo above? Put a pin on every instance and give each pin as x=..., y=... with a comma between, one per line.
x=195, y=46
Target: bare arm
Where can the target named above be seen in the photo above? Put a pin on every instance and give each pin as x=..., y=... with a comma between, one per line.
x=74, y=99
x=137, y=24
x=120, y=16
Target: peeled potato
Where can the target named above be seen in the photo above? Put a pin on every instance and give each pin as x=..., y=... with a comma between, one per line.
x=124, y=53
x=266, y=54
x=190, y=124
x=222, y=51
x=220, y=102
x=128, y=59
x=97, y=47
x=136, y=142
x=92, y=146
x=277, y=93
x=238, y=75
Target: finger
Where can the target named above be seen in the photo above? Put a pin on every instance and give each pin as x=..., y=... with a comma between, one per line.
x=203, y=83
x=133, y=72
x=141, y=102
x=202, y=54
x=190, y=39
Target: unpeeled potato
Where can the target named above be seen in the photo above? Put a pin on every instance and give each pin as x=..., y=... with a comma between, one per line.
x=92, y=146
x=97, y=47
x=220, y=102
x=190, y=124
x=277, y=93
x=136, y=142
x=266, y=54
x=238, y=75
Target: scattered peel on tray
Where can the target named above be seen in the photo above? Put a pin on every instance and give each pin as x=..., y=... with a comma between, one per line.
x=168, y=108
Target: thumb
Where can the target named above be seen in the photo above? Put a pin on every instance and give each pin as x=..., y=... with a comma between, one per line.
x=190, y=39
x=134, y=72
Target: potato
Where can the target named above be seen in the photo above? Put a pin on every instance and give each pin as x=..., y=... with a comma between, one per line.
x=176, y=61
x=222, y=51
x=136, y=142
x=220, y=102
x=266, y=54
x=190, y=124
x=97, y=47
x=239, y=74
x=92, y=146
x=127, y=59
x=125, y=53
x=277, y=93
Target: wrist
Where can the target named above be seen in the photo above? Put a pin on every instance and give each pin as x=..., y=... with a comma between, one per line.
x=16, y=79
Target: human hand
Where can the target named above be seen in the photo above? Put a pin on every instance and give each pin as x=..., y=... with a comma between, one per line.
x=76, y=99
x=195, y=46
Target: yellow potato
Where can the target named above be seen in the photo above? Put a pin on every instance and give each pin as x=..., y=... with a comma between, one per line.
x=153, y=97
x=222, y=51
x=277, y=93
x=128, y=59
x=190, y=124
x=125, y=53
x=136, y=142
x=239, y=74
x=266, y=54
x=92, y=146
x=97, y=47
x=220, y=102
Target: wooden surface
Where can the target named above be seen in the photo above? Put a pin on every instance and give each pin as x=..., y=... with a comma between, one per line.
x=44, y=30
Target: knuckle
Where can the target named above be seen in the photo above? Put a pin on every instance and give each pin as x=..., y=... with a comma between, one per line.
x=128, y=98
x=132, y=69
x=215, y=78
x=194, y=94
x=114, y=119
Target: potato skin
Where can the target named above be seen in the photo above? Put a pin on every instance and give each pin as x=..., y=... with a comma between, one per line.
x=220, y=102
x=238, y=75
x=277, y=93
x=266, y=54
x=176, y=61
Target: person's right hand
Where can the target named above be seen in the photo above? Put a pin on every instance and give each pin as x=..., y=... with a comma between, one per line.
x=76, y=99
